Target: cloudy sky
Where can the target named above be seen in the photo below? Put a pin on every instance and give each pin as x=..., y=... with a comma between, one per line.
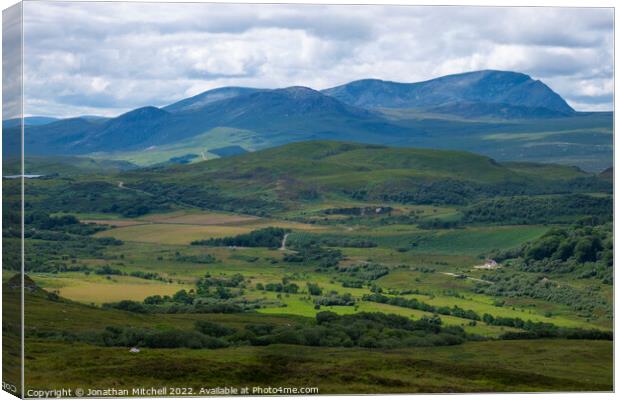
x=107, y=58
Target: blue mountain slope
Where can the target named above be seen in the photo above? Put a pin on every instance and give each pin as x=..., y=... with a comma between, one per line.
x=208, y=97
x=11, y=123
x=479, y=89
x=506, y=115
x=299, y=113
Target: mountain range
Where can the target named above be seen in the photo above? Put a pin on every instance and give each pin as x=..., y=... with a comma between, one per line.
x=454, y=111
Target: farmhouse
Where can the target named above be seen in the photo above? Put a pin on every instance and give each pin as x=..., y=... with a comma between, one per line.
x=488, y=264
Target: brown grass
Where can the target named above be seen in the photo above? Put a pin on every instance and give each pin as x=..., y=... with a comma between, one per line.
x=119, y=223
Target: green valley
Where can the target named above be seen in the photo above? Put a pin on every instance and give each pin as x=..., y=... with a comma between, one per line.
x=451, y=270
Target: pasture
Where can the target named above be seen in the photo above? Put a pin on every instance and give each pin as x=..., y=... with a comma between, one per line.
x=96, y=289
x=156, y=242
x=182, y=228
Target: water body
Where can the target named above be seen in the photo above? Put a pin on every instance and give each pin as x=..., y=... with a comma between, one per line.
x=26, y=176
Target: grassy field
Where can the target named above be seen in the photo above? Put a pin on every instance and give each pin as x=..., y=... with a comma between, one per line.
x=488, y=366
x=474, y=241
x=182, y=228
x=152, y=245
x=99, y=289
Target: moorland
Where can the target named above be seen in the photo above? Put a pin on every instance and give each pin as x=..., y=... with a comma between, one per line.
x=349, y=265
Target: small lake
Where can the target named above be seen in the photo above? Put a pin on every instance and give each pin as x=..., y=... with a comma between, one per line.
x=26, y=176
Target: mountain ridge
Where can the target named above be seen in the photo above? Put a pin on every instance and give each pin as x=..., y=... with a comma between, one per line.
x=207, y=97
x=486, y=86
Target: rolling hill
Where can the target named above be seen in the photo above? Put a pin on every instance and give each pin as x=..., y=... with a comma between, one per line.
x=278, y=178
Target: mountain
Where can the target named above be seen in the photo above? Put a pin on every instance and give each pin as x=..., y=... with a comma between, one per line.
x=85, y=135
x=479, y=91
x=208, y=97
x=298, y=113
x=506, y=115
x=608, y=174
x=128, y=130
x=56, y=137
x=294, y=105
x=502, y=111
x=11, y=123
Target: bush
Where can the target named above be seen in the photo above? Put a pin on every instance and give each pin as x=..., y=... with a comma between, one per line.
x=266, y=237
x=334, y=299
x=127, y=305
x=213, y=329
x=314, y=289
x=325, y=258
x=165, y=339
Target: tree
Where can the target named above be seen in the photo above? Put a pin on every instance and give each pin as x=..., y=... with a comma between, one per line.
x=314, y=289
x=586, y=249
x=182, y=297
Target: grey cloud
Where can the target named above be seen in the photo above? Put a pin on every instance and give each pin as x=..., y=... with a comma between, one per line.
x=109, y=57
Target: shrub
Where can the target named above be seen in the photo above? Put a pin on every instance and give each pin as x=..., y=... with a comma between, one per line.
x=213, y=329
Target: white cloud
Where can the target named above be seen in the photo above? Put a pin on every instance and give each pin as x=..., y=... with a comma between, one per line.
x=106, y=58
x=11, y=63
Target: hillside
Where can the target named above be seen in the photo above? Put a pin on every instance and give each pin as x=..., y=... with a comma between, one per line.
x=282, y=177
x=327, y=158
x=333, y=158
x=56, y=137
x=293, y=110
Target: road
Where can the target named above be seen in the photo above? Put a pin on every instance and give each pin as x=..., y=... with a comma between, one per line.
x=283, y=246
x=466, y=277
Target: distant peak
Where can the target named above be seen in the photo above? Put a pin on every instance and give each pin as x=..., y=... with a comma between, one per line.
x=490, y=72
x=146, y=110
x=299, y=92
x=370, y=80
x=210, y=96
x=143, y=112
x=493, y=71
x=483, y=74
x=478, y=73
x=298, y=89
x=478, y=88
